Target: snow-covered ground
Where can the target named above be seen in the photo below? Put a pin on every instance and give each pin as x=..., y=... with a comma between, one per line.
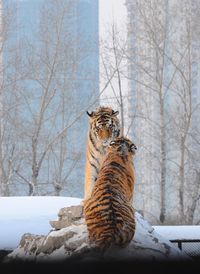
x=180, y=232
x=19, y=215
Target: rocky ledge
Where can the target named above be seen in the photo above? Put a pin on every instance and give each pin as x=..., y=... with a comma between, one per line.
x=68, y=240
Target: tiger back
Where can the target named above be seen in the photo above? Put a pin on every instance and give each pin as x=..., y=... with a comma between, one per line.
x=104, y=127
x=108, y=213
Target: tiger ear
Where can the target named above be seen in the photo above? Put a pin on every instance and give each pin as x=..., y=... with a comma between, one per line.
x=115, y=113
x=133, y=147
x=90, y=114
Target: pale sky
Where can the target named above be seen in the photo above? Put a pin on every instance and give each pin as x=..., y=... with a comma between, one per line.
x=109, y=10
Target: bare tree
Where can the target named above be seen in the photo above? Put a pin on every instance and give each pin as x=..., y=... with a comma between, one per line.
x=163, y=94
x=186, y=126
x=8, y=159
x=50, y=69
x=113, y=61
x=52, y=74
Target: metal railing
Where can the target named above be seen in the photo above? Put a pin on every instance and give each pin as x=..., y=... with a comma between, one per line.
x=189, y=246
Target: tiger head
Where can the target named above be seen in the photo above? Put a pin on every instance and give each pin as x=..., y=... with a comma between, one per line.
x=123, y=146
x=104, y=124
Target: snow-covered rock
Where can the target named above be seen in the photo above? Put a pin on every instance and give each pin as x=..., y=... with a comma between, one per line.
x=67, y=216
x=69, y=240
x=19, y=215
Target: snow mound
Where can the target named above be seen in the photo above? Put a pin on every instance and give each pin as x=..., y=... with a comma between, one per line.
x=181, y=232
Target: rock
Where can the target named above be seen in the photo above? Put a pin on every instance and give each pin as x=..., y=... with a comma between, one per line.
x=31, y=242
x=54, y=241
x=72, y=212
x=67, y=216
x=59, y=224
x=71, y=242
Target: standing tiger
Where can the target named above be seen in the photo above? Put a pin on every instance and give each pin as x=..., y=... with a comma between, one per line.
x=104, y=127
x=108, y=213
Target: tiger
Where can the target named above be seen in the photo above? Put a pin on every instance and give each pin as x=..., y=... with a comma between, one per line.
x=104, y=126
x=108, y=213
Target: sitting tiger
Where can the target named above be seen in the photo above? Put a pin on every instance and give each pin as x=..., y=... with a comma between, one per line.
x=108, y=213
x=104, y=127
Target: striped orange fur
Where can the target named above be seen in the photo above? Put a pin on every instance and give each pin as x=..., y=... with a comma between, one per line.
x=104, y=126
x=108, y=213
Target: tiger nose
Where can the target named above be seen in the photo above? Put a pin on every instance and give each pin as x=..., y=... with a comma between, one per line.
x=109, y=126
x=105, y=134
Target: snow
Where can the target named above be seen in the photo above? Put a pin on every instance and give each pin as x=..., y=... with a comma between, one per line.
x=19, y=215
x=60, y=244
x=147, y=237
x=180, y=232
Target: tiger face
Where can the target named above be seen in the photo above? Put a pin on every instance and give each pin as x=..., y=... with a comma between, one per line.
x=104, y=124
x=123, y=146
